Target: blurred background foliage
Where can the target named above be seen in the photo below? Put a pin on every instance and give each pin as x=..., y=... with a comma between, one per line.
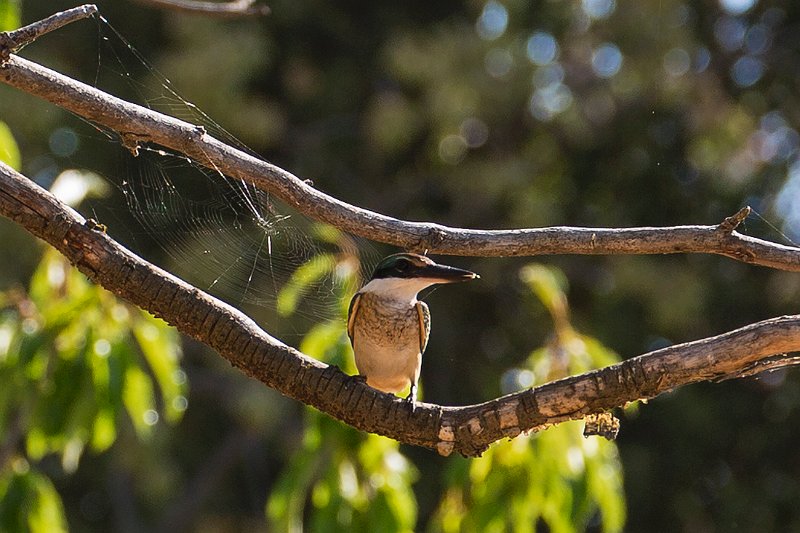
x=492, y=114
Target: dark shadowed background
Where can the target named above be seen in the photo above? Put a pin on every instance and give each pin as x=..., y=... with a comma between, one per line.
x=496, y=114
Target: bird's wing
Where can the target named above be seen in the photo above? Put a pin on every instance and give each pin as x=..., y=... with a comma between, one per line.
x=351, y=316
x=424, y=325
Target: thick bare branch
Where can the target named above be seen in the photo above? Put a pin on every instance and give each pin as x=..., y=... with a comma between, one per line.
x=136, y=124
x=466, y=430
x=230, y=9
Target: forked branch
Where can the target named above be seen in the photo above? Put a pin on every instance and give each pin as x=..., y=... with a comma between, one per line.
x=15, y=40
x=137, y=125
x=466, y=430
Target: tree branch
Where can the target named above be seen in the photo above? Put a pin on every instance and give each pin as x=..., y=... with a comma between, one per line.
x=136, y=125
x=230, y=9
x=466, y=430
x=11, y=41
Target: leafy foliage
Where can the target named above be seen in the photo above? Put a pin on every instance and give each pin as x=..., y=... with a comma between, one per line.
x=490, y=114
x=75, y=363
x=340, y=479
x=344, y=481
x=555, y=476
x=29, y=501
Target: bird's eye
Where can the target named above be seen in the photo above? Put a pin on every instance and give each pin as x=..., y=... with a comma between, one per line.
x=402, y=264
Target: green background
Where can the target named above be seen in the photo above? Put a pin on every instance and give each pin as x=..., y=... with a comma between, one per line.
x=460, y=113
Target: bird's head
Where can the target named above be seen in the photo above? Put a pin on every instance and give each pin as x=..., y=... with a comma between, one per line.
x=404, y=275
x=407, y=266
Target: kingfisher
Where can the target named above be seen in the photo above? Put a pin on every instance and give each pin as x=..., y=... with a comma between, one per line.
x=388, y=327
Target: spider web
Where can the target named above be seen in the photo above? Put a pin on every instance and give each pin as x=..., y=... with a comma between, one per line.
x=222, y=234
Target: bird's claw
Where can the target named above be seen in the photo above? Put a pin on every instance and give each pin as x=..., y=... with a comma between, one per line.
x=412, y=398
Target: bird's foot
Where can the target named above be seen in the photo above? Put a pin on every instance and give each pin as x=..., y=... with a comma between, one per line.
x=411, y=399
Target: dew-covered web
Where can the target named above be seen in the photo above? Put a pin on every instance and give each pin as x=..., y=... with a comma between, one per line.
x=221, y=234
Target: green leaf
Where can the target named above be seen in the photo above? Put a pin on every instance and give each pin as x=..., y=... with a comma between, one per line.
x=139, y=400
x=104, y=430
x=328, y=342
x=9, y=151
x=64, y=406
x=160, y=345
x=302, y=280
x=326, y=233
x=29, y=502
x=548, y=284
x=108, y=355
x=47, y=515
x=61, y=293
x=9, y=17
x=74, y=186
x=286, y=501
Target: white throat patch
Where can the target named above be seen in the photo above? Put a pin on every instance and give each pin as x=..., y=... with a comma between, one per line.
x=402, y=290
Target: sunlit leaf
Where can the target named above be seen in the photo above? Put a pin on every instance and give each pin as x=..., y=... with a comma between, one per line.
x=47, y=514
x=139, y=400
x=104, y=430
x=548, y=285
x=327, y=233
x=61, y=293
x=326, y=342
x=160, y=346
x=36, y=443
x=77, y=368
x=9, y=15
x=302, y=280
x=9, y=151
x=74, y=186
x=29, y=502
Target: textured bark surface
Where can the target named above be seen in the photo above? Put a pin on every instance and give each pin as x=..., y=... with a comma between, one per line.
x=467, y=430
x=136, y=125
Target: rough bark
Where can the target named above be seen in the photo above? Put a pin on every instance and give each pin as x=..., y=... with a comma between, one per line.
x=467, y=430
x=137, y=125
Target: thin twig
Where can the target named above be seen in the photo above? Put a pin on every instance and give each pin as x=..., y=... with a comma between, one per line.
x=466, y=430
x=11, y=41
x=139, y=125
x=233, y=8
x=734, y=221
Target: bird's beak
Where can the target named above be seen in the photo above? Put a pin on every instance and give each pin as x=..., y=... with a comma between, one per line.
x=446, y=274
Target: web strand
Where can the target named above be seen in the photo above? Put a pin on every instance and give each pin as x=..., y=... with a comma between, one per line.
x=218, y=233
x=774, y=228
